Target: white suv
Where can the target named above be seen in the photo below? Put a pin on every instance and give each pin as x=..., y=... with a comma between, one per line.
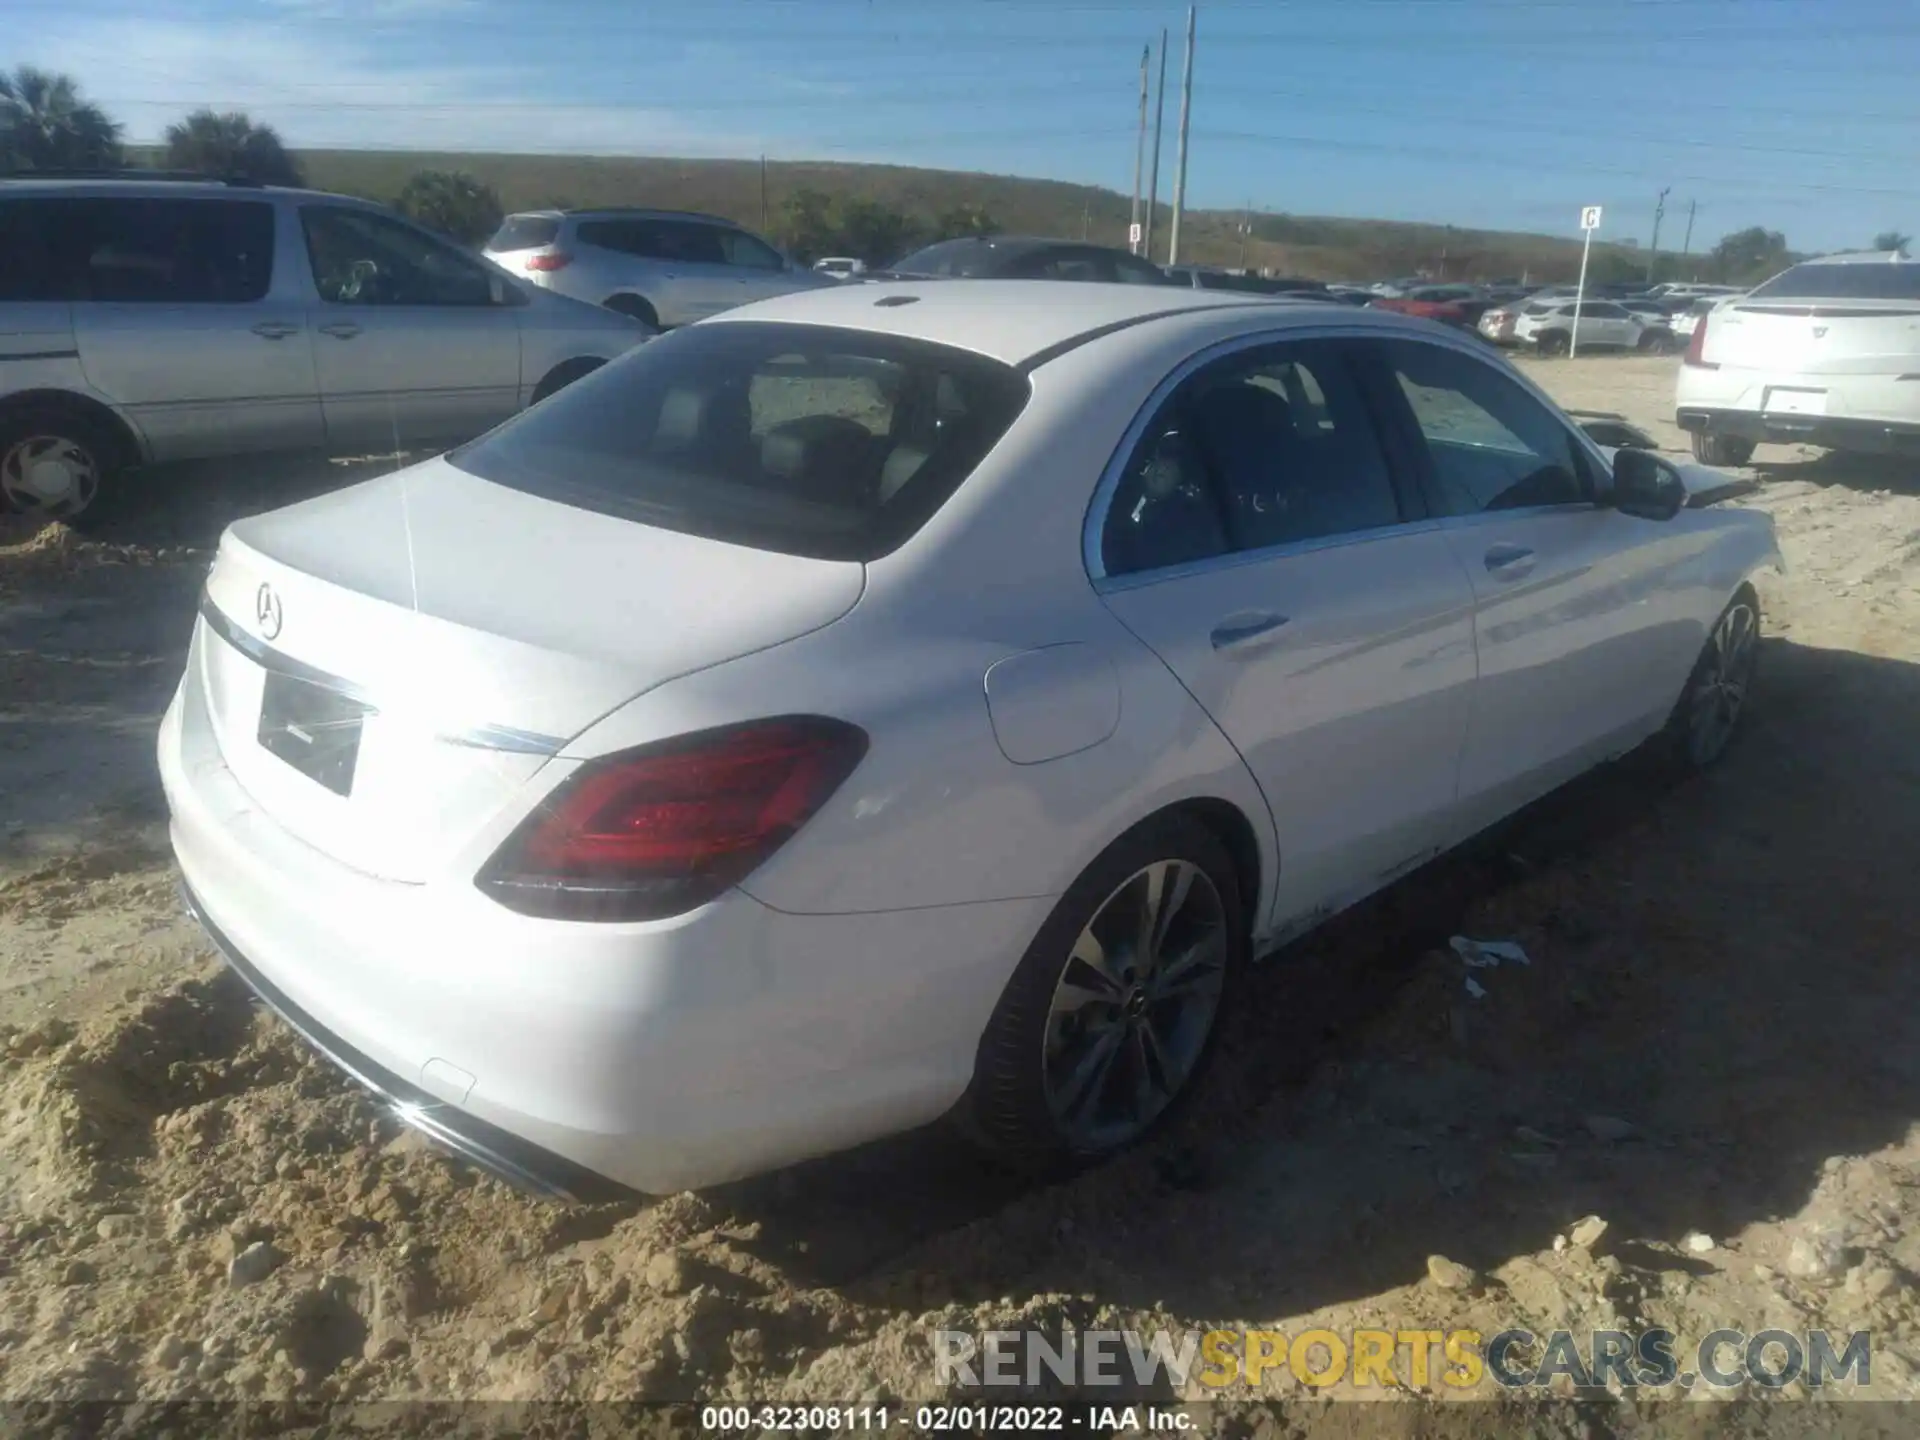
x=1827, y=353
x=1548, y=326
x=663, y=267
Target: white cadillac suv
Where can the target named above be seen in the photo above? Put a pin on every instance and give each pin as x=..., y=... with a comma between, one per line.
x=1826, y=353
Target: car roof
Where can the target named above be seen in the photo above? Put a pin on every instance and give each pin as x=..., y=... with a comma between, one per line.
x=624, y=212
x=27, y=184
x=1021, y=322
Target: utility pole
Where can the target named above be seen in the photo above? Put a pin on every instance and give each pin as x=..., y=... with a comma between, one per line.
x=1653, y=250
x=763, y=194
x=1086, y=219
x=1246, y=229
x=1686, y=245
x=1159, y=115
x=1180, y=171
x=1139, y=154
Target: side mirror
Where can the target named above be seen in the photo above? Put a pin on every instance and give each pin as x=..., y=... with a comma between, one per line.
x=1646, y=485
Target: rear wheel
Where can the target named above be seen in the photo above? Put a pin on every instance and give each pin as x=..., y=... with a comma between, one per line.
x=1110, y=1018
x=1655, y=342
x=1711, y=449
x=636, y=307
x=58, y=463
x=1554, y=342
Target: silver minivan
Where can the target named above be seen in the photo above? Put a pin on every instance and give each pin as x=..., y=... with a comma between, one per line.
x=663, y=267
x=154, y=320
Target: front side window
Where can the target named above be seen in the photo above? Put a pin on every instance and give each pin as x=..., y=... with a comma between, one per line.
x=1491, y=444
x=802, y=439
x=360, y=257
x=1267, y=448
x=747, y=252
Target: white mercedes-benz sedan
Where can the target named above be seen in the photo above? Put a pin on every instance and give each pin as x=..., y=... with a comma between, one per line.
x=908, y=700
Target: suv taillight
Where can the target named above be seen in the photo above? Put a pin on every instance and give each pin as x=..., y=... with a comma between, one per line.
x=1697, y=346
x=656, y=831
x=549, y=261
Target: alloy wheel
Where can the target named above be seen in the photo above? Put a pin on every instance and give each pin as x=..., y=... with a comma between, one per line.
x=49, y=475
x=1726, y=674
x=1135, y=1005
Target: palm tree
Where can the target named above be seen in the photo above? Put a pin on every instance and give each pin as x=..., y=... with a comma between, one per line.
x=231, y=145
x=45, y=125
x=1892, y=240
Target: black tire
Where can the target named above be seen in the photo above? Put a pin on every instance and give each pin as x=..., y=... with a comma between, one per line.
x=1695, y=737
x=1009, y=1107
x=1712, y=449
x=639, y=309
x=94, y=454
x=1655, y=342
x=1554, y=342
x=563, y=375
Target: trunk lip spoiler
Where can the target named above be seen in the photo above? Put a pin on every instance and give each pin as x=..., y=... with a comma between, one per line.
x=477, y=737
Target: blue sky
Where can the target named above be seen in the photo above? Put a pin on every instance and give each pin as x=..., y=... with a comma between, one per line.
x=1801, y=115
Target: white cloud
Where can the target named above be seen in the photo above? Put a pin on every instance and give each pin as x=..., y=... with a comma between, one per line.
x=322, y=86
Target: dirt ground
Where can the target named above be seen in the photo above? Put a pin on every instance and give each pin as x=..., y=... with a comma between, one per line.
x=1718, y=1036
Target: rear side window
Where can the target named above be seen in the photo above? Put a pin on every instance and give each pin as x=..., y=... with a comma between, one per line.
x=1868, y=281
x=747, y=252
x=525, y=232
x=136, y=250
x=802, y=439
x=1262, y=449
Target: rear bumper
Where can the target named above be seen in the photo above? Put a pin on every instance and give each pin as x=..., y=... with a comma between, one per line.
x=526, y=1167
x=659, y=1056
x=1833, y=432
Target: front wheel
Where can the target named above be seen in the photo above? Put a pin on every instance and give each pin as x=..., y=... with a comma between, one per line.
x=1704, y=722
x=1553, y=343
x=1722, y=450
x=1110, y=1017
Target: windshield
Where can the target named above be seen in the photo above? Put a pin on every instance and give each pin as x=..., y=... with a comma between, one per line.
x=949, y=257
x=808, y=440
x=1871, y=281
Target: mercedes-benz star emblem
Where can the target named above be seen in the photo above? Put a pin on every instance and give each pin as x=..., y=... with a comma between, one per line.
x=266, y=609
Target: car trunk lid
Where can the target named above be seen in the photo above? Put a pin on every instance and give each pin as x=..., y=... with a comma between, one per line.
x=1812, y=337
x=385, y=666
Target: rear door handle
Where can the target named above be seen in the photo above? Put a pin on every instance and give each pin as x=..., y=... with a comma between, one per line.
x=276, y=329
x=341, y=329
x=1243, y=629
x=1509, y=562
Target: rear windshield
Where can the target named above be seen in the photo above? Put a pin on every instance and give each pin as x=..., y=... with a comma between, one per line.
x=525, y=232
x=1887, y=280
x=803, y=439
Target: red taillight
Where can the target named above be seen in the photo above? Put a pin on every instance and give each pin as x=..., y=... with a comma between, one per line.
x=1697, y=346
x=659, y=830
x=549, y=261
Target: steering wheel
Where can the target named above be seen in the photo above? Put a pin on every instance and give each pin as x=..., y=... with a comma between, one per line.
x=362, y=276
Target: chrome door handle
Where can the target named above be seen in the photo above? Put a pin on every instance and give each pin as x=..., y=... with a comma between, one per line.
x=1242, y=628
x=1509, y=562
x=340, y=329
x=275, y=329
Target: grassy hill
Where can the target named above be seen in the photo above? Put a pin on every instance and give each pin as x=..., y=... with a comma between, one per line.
x=1327, y=249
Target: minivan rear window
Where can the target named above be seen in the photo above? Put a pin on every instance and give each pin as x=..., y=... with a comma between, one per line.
x=525, y=232
x=1886, y=280
x=803, y=439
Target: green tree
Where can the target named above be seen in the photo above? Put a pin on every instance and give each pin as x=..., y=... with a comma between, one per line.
x=46, y=125
x=962, y=220
x=876, y=233
x=806, y=225
x=1750, y=256
x=1892, y=240
x=453, y=202
x=231, y=145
